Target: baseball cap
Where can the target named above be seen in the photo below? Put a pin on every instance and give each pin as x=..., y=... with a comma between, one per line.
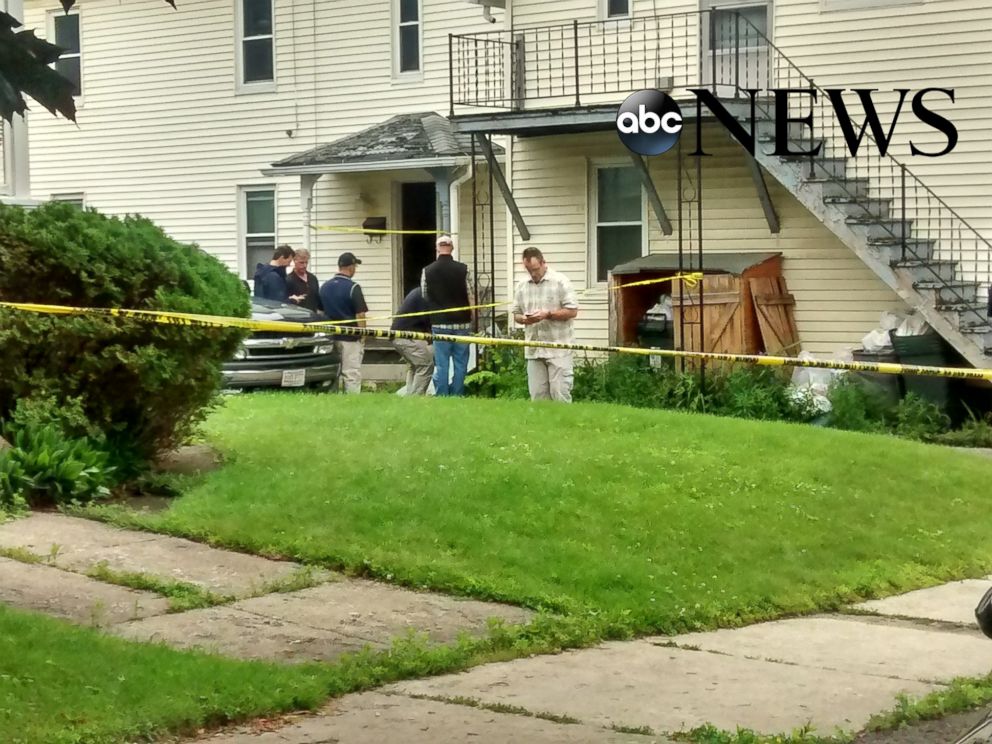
x=348, y=259
x=445, y=240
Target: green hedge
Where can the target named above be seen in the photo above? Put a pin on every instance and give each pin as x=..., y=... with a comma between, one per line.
x=142, y=386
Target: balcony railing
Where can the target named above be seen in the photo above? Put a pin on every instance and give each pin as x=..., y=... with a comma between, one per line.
x=588, y=63
x=579, y=63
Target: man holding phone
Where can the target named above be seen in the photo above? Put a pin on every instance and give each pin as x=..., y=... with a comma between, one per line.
x=546, y=306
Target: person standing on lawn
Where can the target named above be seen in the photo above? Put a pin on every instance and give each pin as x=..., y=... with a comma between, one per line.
x=446, y=284
x=418, y=354
x=303, y=288
x=342, y=299
x=546, y=305
x=270, y=278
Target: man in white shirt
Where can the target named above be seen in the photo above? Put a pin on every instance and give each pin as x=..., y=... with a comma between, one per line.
x=546, y=306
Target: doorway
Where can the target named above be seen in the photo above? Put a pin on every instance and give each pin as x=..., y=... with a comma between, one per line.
x=418, y=211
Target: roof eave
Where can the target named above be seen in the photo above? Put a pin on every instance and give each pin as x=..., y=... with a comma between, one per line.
x=375, y=165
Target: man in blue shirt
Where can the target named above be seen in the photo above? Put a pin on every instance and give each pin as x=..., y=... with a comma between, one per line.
x=418, y=354
x=342, y=299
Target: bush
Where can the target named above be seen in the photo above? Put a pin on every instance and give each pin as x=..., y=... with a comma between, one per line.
x=14, y=484
x=916, y=418
x=975, y=432
x=760, y=393
x=143, y=386
x=856, y=407
x=502, y=373
x=45, y=468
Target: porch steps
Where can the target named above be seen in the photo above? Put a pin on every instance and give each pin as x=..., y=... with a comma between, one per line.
x=382, y=363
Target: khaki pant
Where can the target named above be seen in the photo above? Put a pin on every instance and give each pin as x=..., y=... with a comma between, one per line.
x=351, y=364
x=550, y=379
x=420, y=360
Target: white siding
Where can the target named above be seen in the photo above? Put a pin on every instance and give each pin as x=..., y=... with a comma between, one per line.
x=838, y=298
x=162, y=131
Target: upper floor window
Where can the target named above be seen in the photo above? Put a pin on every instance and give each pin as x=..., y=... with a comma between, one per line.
x=740, y=27
x=619, y=218
x=407, y=39
x=65, y=30
x=617, y=8
x=257, y=42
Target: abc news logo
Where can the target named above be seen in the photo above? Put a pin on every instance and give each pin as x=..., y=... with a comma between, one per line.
x=649, y=122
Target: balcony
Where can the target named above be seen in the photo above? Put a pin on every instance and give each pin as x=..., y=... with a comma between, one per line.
x=588, y=65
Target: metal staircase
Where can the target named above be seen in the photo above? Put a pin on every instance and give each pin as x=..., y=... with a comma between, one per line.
x=910, y=237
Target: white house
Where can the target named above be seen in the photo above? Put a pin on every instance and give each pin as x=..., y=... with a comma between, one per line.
x=238, y=124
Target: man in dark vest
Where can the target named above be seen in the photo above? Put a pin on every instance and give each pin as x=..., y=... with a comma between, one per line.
x=445, y=284
x=343, y=300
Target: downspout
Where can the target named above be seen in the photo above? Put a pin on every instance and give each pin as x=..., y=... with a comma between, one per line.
x=307, y=183
x=456, y=206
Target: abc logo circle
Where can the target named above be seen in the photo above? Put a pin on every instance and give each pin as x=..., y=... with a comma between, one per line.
x=649, y=122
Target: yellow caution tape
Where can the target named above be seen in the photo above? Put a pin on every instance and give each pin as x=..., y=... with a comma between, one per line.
x=691, y=280
x=215, y=321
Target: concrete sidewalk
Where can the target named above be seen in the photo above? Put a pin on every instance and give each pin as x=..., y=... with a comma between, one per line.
x=832, y=672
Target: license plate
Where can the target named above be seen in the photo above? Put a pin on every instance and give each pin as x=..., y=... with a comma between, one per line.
x=294, y=377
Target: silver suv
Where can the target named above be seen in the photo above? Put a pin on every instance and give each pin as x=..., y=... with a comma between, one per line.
x=287, y=360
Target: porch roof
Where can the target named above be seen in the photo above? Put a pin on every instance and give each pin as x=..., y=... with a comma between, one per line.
x=422, y=140
x=713, y=263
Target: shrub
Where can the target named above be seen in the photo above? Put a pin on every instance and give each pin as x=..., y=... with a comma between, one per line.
x=144, y=386
x=502, y=374
x=916, y=418
x=14, y=484
x=759, y=393
x=856, y=407
x=45, y=468
x=975, y=432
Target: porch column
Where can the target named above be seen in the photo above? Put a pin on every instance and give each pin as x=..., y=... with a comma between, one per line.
x=307, y=183
x=442, y=184
x=17, y=172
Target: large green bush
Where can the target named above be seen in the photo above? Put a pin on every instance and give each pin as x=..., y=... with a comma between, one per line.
x=143, y=386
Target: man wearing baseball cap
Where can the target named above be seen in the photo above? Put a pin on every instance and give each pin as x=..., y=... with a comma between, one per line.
x=342, y=299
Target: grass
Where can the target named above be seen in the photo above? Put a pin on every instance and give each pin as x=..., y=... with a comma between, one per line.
x=182, y=596
x=62, y=684
x=647, y=521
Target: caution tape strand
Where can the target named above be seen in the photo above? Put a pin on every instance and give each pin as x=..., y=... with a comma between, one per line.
x=213, y=321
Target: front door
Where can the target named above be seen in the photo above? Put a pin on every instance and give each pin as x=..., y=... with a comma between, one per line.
x=418, y=211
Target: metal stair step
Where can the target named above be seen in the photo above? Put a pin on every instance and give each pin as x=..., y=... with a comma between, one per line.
x=833, y=167
x=860, y=206
x=840, y=186
x=952, y=291
x=880, y=229
x=927, y=270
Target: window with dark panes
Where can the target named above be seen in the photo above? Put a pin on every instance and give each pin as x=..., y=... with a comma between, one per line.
x=257, y=49
x=618, y=218
x=742, y=27
x=69, y=64
x=260, y=227
x=617, y=8
x=409, y=35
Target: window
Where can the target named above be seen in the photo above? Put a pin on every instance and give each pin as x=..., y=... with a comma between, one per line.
x=619, y=218
x=77, y=200
x=617, y=8
x=257, y=48
x=751, y=27
x=408, y=36
x=259, y=227
x=65, y=29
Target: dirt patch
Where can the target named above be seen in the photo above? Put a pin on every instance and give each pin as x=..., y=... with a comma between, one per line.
x=193, y=459
x=944, y=731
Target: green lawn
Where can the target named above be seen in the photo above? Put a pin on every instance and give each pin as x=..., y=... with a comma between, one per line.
x=62, y=684
x=655, y=520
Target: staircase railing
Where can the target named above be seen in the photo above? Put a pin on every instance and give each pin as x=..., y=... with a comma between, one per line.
x=917, y=216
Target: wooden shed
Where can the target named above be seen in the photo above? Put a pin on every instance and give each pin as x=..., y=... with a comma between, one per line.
x=746, y=308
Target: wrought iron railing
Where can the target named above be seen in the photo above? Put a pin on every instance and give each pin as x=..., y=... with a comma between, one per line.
x=599, y=62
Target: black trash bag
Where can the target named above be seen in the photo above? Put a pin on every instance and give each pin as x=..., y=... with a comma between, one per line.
x=983, y=613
